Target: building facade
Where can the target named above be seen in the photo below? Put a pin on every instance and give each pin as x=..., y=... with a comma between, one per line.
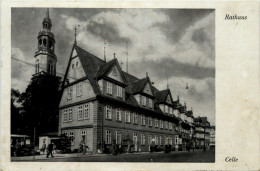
x=202, y=132
x=102, y=105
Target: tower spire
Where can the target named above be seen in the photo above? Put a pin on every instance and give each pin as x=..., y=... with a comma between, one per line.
x=75, y=33
x=46, y=48
x=105, y=51
x=167, y=83
x=47, y=13
x=126, y=56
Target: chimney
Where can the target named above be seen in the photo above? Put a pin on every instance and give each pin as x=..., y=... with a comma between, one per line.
x=146, y=74
x=114, y=55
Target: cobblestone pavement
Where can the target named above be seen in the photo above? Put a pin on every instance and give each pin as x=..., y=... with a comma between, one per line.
x=197, y=156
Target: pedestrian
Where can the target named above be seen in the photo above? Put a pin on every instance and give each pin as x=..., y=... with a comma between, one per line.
x=50, y=148
x=84, y=147
x=43, y=147
x=81, y=147
x=17, y=148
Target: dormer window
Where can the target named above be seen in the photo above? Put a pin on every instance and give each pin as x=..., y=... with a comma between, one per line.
x=166, y=109
x=144, y=101
x=109, y=88
x=170, y=110
x=150, y=103
x=119, y=91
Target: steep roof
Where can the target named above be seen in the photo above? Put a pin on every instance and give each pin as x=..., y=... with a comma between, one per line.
x=91, y=65
x=103, y=68
x=137, y=86
x=162, y=95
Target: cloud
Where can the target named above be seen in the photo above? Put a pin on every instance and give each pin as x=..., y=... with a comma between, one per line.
x=170, y=67
x=21, y=72
x=142, y=29
x=178, y=43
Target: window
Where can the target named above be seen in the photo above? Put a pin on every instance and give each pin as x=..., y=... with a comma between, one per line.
x=83, y=135
x=118, y=137
x=37, y=68
x=71, y=136
x=108, y=112
x=118, y=114
x=161, y=140
x=65, y=116
x=135, y=138
x=80, y=113
x=156, y=123
x=166, y=140
x=142, y=120
x=127, y=116
x=150, y=103
x=156, y=140
x=66, y=133
x=40, y=42
x=79, y=89
x=44, y=42
x=170, y=110
x=170, y=140
x=108, y=137
x=109, y=88
x=50, y=67
x=150, y=121
x=142, y=139
x=166, y=109
x=119, y=91
x=144, y=101
x=70, y=114
x=161, y=124
x=170, y=125
x=150, y=137
x=86, y=111
x=166, y=125
x=176, y=140
x=69, y=90
x=135, y=118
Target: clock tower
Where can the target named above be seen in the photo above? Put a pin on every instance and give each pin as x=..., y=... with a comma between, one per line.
x=45, y=58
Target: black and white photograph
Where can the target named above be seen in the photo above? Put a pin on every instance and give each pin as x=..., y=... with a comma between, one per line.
x=112, y=85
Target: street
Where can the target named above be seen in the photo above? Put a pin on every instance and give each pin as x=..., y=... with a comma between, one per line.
x=191, y=157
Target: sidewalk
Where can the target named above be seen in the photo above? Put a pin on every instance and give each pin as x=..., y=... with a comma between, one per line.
x=79, y=155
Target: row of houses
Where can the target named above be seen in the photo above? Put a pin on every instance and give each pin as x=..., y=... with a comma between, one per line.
x=103, y=105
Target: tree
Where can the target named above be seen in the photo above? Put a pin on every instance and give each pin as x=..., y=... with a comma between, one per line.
x=16, y=116
x=40, y=103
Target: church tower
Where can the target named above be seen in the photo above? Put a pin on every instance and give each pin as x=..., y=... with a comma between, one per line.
x=45, y=57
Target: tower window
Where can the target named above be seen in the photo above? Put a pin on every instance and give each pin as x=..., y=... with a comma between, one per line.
x=50, y=68
x=40, y=42
x=37, y=68
x=50, y=44
x=44, y=42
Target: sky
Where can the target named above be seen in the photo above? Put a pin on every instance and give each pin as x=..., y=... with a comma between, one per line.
x=177, y=45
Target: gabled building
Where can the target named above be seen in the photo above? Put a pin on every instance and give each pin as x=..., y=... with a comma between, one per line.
x=202, y=132
x=102, y=105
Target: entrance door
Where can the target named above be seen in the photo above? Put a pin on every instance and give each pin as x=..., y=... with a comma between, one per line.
x=135, y=141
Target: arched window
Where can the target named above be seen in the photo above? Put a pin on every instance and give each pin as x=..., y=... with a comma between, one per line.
x=50, y=67
x=40, y=42
x=50, y=44
x=44, y=42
